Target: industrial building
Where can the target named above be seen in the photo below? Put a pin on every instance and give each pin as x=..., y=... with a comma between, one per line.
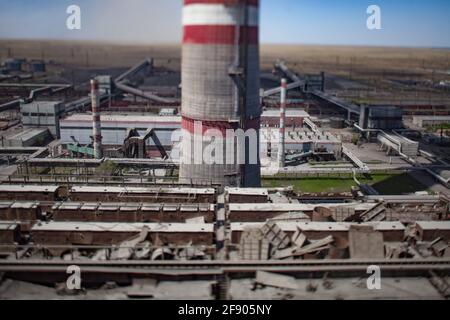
x=42, y=114
x=98, y=169
x=301, y=142
x=294, y=118
x=381, y=117
x=430, y=121
x=77, y=128
x=28, y=138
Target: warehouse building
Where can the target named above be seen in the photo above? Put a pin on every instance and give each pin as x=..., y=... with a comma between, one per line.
x=294, y=118
x=430, y=121
x=43, y=114
x=300, y=141
x=28, y=138
x=78, y=127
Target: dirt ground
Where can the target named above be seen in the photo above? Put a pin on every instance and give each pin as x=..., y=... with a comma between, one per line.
x=377, y=75
x=339, y=60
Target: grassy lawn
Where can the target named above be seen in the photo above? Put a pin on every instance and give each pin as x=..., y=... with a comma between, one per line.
x=385, y=184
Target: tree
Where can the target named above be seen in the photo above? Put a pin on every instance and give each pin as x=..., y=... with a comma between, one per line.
x=107, y=168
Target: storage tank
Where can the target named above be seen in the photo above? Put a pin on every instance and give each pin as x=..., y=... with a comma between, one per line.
x=220, y=82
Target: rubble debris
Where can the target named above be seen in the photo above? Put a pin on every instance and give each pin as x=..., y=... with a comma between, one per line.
x=414, y=253
x=360, y=283
x=440, y=283
x=430, y=230
x=275, y=280
x=127, y=248
x=191, y=253
x=301, y=247
x=343, y=214
x=162, y=254
x=291, y=217
x=101, y=255
x=365, y=243
x=142, y=250
x=254, y=246
x=299, y=238
x=327, y=283
x=322, y=214
x=377, y=213
x=439, y=247
x=277, y=238
x=142, y=288
x=312, y=287
x=73, y=255
x=220, y=289
x=287, y=253
x=412, y=233
x=314, y=246
x=62, y=290
x=109, y=285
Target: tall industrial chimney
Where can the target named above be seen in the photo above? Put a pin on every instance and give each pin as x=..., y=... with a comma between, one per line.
x=282, y=141
x=220, y=81
x=97, y=127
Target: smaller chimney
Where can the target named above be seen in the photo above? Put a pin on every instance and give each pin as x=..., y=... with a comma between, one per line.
x=282, y=145
x=97, y=127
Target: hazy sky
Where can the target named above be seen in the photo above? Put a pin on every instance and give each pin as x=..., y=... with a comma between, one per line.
x=404, y=22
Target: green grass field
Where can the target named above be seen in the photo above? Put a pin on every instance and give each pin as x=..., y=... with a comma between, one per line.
x=384, y=184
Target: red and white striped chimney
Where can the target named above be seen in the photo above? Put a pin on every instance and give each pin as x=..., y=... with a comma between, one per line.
x=282, y=141
x=97, y=127
x=219, y=35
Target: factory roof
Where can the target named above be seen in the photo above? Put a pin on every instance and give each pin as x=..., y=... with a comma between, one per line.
x=43, y=105
x=27, y=188
x=433, y=225
x=24, y=205
x=322, y=226
x=5, y=204
x=298, y=136
x=8, y=226
x=294, y=207
x=290, y=113
x=121, y=118
x=122, y=227
x=27, y=134
x=142, y=190
x=126, y=118
x=431, y=117
x=247, y=191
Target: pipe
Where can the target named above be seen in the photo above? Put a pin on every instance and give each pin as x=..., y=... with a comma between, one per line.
x=10, y=105
x=120, y=83
x=97, y=128
x=282, y=144
x=134, y=70
x=142, y=94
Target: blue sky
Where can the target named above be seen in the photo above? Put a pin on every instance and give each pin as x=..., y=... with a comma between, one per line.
x=418, y=23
